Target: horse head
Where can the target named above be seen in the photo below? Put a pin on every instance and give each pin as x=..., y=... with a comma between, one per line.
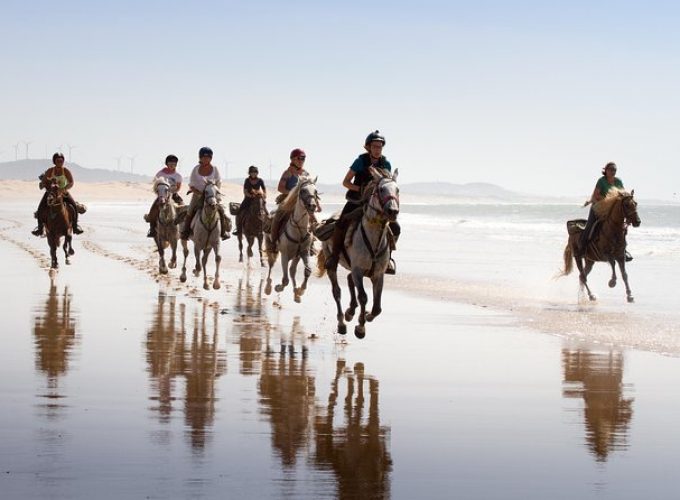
x=161, y=186
x=55, y=195
x=308, y=195
x=629, y=206
x=385, y=195
x=210, y=194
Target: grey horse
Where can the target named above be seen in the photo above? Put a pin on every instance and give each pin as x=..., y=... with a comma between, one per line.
x=206, y=237
x=295, y=238
x=167, y=231
x=367, y=250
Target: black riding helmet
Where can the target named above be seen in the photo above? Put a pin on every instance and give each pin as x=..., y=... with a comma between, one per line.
x=57, y=155
x=171, y=158
x=374, y=136
x=205, y=151
x=252, y=169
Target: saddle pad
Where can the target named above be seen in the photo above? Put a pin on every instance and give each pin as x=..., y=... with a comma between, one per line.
x=325, y=230
x=576, y=226
x=234, y=207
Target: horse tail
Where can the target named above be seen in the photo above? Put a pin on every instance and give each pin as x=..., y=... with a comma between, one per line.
x=320, y=264
x=568, y=261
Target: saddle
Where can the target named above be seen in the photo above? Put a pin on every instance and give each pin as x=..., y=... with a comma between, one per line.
x=577, y=226
x=234, y=208
x=326, y=227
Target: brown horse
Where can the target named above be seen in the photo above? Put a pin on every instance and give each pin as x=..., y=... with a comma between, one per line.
x=252, y=227
x=58, y=217
x=615, y=213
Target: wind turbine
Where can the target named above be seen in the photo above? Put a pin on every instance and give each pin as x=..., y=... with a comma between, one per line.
x=70, y=148
x=118, y=160
x=27, y=144
x=16, y=151
x=132, y=163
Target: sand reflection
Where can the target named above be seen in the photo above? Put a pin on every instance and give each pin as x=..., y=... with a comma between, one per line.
x=175, y=353
x=54, y=330
x=597, y=377
x=250, y=325
x=356, y=450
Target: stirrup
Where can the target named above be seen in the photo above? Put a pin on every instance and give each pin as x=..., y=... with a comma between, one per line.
x=38, y=231
x=225, y=236
x=628, y=257
x=391, y=267
x=77, y=230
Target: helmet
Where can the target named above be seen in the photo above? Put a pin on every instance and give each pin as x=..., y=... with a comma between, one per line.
x=57, y=155
x=171, y=158
x=296, y=152
x=252, y=169
x=205, y=151
x=374, y=136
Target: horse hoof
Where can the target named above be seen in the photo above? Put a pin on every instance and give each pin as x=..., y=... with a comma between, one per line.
x=369, y=317
x=68, y=262
x=349, y=316
x=359, y=332
x=163, y=271
x=216, y=285
x=183, y=278
x=278, y=288
x=612, y=283
x=71, y=251
x=262, y=263
x=342, y=329
x=631, y=299
x=297, y=298
x=268, y=290
x=592, y=298
x=240, y=258
x=197, y=273
x=206, y=286
x=172, y=265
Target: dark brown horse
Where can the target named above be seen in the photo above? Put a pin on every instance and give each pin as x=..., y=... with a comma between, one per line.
x=615, y=213
x=252, y=227
x=58, y=217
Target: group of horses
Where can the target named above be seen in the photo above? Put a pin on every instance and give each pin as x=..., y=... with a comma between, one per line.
x=366, y=251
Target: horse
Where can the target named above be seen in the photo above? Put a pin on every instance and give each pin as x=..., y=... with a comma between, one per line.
x=615, y=212
x=295, y=238
x=58, y=224
x=167, y=231
x=366, y=250
x=206, y=230
x=252, y=227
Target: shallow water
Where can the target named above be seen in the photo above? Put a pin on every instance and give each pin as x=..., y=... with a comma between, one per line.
x=118, y=383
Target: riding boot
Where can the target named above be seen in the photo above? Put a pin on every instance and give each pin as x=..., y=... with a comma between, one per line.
x=627, y=256
x=225, y=224
x=76, y=228
x=38, y=231
x=239, y=224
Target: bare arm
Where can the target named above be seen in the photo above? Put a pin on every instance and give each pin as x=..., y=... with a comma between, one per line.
x=282, y=184
x=347, y=181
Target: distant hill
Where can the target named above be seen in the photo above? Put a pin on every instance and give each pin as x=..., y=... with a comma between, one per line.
x=29, y=170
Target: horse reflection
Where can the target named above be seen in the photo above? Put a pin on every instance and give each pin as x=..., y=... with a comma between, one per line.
x=171, y=355
x=251, y=326
x=356, y=452
x=597, y=378
x=287, y=397
x=54, y=330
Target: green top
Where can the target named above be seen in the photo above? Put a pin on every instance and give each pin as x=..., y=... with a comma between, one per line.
x=603, y=185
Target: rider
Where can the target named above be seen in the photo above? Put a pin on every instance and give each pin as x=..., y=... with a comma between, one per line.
x=175, y=179
x=200, y=176
x=356, y=178
x=253, y=187
x=602, y=187
x=289, y=179
x=64, y=180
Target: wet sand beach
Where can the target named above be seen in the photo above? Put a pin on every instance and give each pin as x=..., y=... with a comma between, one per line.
x=120, y=383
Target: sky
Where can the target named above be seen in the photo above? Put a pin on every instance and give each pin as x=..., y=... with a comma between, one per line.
x=533, y=96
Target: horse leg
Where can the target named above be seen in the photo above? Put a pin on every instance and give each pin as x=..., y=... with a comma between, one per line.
x=333, y=276
x=624, y=275
x=197, y=256
x=284, y=279
x=349, y=312
x=377, y=282
x=53, y=251
x=612, y=281
x=584, y=280
x=259, y=248
x=293, y=272
x=173, y=259
x=65, y=247
x=308, y=272
x=218, y=260
x=240, y=246
x=185, y=251
x=69, y=240
x=204, y=261
x=360, y=329
x=162, y=268
x=251, y=240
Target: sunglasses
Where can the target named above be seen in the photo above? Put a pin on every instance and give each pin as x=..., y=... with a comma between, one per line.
x=303, y=158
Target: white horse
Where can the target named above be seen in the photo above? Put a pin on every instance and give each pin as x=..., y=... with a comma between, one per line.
x=206, y=230
x=295, y=238
x=366, y=251
x=167, y=231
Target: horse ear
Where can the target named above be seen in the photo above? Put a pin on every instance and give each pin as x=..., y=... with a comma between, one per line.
x=395, y=174
x=632, y=192
x=315, y=179
x=374, y=173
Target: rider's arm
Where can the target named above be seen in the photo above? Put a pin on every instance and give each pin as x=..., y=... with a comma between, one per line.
x=69, y=179
x=347, y=181
x=596, y=196
x=282, y=183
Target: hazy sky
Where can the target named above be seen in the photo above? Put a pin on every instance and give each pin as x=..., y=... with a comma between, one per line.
x=533, y=96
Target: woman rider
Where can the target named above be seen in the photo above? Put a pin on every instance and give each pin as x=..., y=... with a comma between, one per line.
x=356, y=178
x=253, y=187
x=289, y=179
x=602, y=187
x=64, y=179
x=203, y=173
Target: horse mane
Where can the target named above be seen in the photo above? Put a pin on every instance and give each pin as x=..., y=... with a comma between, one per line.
x=603, y=207
x=288, y=203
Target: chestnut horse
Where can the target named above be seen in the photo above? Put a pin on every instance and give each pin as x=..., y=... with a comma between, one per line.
x=615, y=213
x=58, y=218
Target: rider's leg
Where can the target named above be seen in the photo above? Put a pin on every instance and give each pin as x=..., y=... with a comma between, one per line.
x=74, y=212
x=39, y=214
x=276, y=228
x=240, y=216
x=225, y=222
x=152, y=218
x=337, y=242
x=193, y=206
x=584, y=238
x=395, y=230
